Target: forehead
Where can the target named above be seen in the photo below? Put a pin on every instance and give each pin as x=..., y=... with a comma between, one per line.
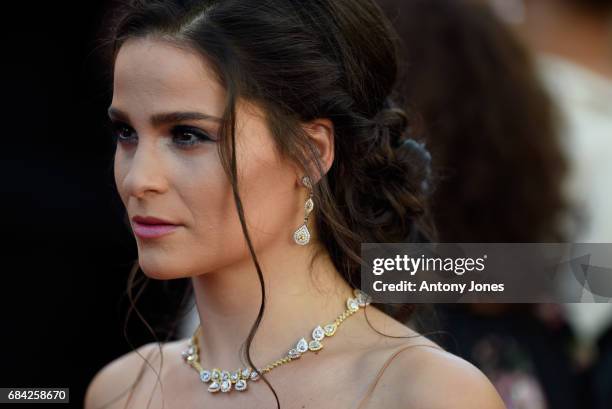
x=156, y=74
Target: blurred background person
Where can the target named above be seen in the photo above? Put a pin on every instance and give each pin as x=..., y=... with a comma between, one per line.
x=572, y=40
x=493, y=132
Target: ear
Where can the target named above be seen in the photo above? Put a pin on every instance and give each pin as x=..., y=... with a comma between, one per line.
x=321, y=133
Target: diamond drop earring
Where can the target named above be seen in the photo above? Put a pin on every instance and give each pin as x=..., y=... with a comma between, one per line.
x=302, y=235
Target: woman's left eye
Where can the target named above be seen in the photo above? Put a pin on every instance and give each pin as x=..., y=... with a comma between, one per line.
x=188, y=136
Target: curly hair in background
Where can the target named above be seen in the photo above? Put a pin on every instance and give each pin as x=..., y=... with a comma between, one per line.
x=488, y=122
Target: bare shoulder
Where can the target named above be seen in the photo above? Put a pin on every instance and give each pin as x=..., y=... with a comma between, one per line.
x=423, y=375
x=415, y=372
x=111, y=386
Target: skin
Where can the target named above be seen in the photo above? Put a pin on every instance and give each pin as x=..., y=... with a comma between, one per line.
x=155, y=177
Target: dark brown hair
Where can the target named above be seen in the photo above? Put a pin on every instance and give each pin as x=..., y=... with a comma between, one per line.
x=300, y=61
x=488, y=121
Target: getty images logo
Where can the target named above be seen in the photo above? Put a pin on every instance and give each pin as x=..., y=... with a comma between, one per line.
x=458, y=265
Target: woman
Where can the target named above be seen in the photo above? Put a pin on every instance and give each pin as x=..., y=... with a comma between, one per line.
x=270, y=235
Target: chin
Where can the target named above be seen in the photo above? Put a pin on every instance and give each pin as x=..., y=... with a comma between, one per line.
x=160, y=270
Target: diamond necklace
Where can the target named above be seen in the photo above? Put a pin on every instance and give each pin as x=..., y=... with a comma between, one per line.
x=225, y=381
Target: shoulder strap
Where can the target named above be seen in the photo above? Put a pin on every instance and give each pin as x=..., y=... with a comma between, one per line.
x=384, y=367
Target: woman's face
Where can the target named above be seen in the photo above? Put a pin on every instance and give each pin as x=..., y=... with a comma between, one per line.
x=168, y=167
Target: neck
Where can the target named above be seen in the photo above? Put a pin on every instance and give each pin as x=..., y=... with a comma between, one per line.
x=577, y=35
x=297, y=300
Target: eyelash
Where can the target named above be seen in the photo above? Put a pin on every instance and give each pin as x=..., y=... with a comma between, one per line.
x=200, y=136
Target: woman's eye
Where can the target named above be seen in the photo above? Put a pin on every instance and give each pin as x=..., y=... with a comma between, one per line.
x=187, y=136
x=122, y=133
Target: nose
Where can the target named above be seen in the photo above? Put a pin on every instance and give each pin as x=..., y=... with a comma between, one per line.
x=144, y=172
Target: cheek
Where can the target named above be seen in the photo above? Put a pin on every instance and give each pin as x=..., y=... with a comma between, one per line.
x=269, y=197
x=271, y=211
x=216, y=235
x=119, y=171
x=270, y=202
x=212, y=237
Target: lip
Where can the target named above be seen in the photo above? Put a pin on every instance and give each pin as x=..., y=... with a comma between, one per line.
x=152, y=227
x=150, y=220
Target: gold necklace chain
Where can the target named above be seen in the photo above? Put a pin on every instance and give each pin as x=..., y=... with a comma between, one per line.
x=225, y=381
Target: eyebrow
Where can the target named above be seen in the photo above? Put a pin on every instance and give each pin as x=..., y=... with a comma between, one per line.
x=165, y=117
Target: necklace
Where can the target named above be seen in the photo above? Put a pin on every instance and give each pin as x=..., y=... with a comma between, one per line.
x=225, y=381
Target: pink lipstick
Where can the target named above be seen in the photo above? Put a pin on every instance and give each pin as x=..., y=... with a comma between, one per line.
x=151, y=227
